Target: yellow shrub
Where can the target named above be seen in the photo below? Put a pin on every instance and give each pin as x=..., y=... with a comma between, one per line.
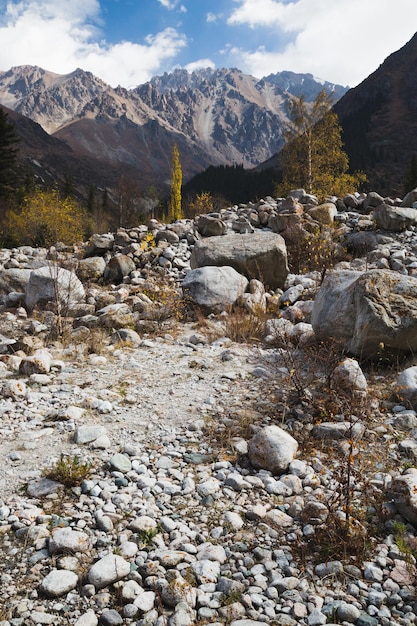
x=45, y=218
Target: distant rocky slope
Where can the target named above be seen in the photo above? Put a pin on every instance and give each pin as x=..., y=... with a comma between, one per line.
x=214, y=116
x=379, y=121
x=52, y=161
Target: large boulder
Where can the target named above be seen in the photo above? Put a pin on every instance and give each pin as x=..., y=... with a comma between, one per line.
x=53, y=284
x=260, y=255
x=324, y=213
x=410, y=198
x=370, y=310
x=91, y=268
x=394, y=219
x=117, y=268
x=98, y=245
x=14, y=279
x=214, y=288
x=211, y=226
x=402, y=491
x=406, y=387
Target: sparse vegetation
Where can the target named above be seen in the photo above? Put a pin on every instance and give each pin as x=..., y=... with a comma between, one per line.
x=46, y=218
x=146, y=536
x=200, y=204
x=69, y=470
x=167, y=301
x=244, y=327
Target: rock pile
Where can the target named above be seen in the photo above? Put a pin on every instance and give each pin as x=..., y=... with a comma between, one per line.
x=215, y=473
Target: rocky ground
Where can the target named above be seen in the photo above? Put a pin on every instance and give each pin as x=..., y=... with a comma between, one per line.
x=175, y=518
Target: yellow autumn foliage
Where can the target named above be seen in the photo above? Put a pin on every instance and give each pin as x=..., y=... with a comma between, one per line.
x=174, y=206
x=46, y=218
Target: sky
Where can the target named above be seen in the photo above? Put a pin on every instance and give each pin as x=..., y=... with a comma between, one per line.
x=126, y=42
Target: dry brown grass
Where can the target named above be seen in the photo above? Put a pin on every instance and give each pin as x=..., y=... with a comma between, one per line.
x=244, y=327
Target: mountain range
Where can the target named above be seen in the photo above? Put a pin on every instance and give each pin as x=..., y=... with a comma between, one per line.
x=78, y=126
x=214, y=116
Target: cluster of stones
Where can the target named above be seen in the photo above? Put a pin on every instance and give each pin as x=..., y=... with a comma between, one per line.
x=166, y=535
x=160, y=533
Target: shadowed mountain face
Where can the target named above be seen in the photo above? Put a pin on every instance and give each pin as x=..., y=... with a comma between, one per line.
x=379, y=120
x=52, y=160
x=214, y=116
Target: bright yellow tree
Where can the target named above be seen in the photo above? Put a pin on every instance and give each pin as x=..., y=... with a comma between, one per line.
x=199, y=204
x=313, y=157
x=45, y=218
x=175, y=208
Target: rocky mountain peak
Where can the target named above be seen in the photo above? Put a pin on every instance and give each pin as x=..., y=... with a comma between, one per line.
x=215, y=116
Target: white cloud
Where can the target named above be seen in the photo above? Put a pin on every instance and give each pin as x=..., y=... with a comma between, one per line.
x=212, y=17
x=339, y=40
x=60, y=36
x=171, y=4
x=264, y=13
x=201, y=63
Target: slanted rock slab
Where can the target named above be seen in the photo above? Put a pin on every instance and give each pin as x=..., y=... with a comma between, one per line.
x=371, y=310
x=53, y=284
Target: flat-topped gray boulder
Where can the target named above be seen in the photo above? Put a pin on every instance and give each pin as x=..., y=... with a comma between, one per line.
x=261, y=255
x=395, y=219
x=14, y=279
x=371, y=310
x=214, y=288
x=53, y=284
x=99, y=244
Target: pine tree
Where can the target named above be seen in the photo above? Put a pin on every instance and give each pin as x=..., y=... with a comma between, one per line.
x=8, y=154
x=411, y=175
x=313, y=157
x=91, y=200
x=175, y=209
x=68, y=190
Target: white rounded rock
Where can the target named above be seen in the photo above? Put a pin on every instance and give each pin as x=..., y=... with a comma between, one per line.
x=108, y=570
x=272, y=449
x=58, y=583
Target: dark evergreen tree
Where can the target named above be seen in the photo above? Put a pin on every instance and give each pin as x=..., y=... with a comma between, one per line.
x=105, y=201
x=68, y=188
x=8, y=155
x=411, y=175
x=91, y=200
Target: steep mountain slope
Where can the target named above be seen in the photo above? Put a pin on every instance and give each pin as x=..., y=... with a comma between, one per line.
x=52, y=160
x=379, y=119
x=214, y=116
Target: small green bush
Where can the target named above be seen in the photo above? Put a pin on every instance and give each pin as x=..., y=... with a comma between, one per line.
x=68, y=470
